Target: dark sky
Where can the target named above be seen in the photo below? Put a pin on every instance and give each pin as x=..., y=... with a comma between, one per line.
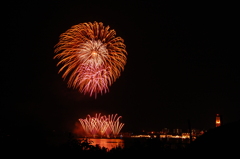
x=182, y=64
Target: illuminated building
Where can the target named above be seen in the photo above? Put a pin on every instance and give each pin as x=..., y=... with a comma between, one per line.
x=218, y=120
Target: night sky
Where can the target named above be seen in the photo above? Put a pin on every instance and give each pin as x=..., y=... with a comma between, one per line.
x=182, y=64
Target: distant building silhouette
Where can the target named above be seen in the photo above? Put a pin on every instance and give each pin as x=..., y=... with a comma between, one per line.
x=177, y=131
x=165, y=131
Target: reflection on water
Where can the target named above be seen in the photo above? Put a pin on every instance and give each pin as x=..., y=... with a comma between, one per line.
x=108, y=143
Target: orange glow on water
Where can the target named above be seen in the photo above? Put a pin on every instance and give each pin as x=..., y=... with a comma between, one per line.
x=108, y=143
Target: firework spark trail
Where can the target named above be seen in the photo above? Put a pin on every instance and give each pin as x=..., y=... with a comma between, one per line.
x=88, y=125
x=102, y=125
x=91, y=57
x=114, y=124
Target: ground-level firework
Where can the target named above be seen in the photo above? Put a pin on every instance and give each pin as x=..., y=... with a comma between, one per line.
x=92, y=58
x=102, y=126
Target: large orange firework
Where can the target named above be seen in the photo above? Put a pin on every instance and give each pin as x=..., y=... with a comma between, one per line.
x=91, y=57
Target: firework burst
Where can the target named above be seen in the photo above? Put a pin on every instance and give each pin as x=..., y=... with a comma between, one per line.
x=92, y=58
x=102, y=125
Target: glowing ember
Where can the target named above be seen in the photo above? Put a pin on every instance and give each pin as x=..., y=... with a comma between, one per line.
x=92, y=57
x=102, y=125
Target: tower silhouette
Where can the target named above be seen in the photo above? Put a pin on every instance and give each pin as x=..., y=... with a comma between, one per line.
x=218, y=120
